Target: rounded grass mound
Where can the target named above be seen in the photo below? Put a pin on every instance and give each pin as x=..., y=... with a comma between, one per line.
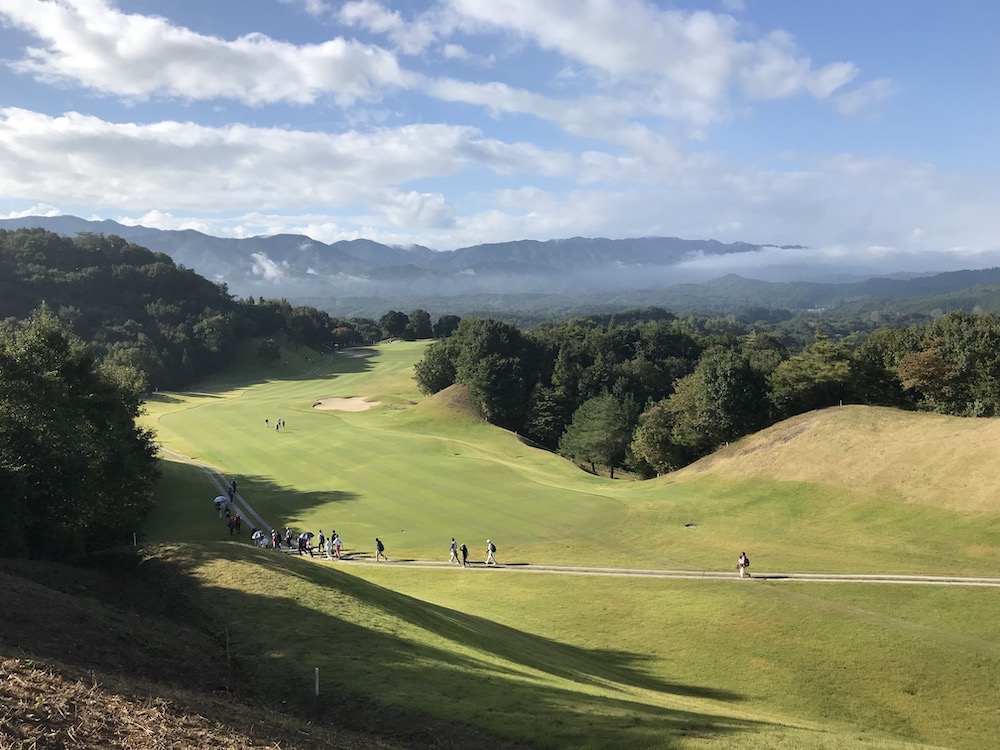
x=928, y=459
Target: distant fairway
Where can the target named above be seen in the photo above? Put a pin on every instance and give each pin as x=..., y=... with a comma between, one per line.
x=595, y=662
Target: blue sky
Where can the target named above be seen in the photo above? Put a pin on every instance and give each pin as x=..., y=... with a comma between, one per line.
x=866, y=130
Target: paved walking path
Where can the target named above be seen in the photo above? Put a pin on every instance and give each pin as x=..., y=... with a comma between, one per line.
x=257, y=521
x=222, y=484
x=582, y=570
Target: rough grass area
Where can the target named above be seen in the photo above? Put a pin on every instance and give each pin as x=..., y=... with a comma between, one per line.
x=926, y=459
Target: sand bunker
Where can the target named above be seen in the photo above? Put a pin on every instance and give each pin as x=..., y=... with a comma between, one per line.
x=355, y=403
x=357, y=352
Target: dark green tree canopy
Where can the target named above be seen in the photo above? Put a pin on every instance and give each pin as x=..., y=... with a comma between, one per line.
x=598, y=434
x=76, y=470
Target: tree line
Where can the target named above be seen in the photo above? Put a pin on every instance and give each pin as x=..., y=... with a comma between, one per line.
x=139, y=309
x=651, y=392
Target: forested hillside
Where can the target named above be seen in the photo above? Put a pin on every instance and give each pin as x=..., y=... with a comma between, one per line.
x=654, y=393
x=139, y=308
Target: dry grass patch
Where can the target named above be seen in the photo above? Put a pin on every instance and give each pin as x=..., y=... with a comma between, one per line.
x=928, y=459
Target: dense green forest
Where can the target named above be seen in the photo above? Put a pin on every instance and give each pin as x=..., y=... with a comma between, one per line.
x=138, y=308
x=76, y=473
x=651, y=392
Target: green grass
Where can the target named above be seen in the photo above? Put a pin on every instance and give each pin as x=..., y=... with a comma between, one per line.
x=585, y=661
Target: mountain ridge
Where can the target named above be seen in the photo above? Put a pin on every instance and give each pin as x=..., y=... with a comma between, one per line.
x=573, y=275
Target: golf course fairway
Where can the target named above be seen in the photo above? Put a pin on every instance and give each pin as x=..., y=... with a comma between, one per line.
x=584, y=659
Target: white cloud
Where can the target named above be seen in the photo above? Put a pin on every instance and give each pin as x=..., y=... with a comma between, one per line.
x=39, y=209
x=409, y=38
x=266, y=269
x=312, y=7
x=85, y=160
x=678, y=65
x=420, y=211
x=866, y=99
x=91, y=44
x=156, y=219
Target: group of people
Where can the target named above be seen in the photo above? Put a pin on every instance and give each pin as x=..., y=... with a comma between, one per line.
x=328, y=545
x=234, y=521
x=331, y=545
x=454, y=551
x=279, y=424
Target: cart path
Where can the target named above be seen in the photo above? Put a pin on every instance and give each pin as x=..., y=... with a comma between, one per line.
x=583, y=570
x=244, y=508
x=222, y=484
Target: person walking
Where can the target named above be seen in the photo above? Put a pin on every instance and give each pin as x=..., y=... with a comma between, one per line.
x=491, y=548
x=465, y=555
x=380, y=550
x=336, y=544
x=305, y=544
x=453, y=549
x=275, y=540
x=742, y=564
x=322, y=540
x=238, y=521
x=288, y=537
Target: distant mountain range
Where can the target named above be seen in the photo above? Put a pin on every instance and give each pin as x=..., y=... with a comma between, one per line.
x=362, y=277
x=365, y=268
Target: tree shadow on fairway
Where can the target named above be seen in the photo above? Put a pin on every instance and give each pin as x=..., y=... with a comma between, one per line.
x=339, y=365
x=283, y=506
x=186, y=511
x=420, y=656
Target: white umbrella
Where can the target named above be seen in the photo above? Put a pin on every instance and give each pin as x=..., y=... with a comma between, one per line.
x=257, y=534
x=307, y=534
x=220, y=499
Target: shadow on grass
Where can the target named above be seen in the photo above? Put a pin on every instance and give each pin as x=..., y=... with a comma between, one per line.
x=420, y=656
x=339, y=365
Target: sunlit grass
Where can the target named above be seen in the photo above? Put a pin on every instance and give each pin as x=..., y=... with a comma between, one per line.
x=601, y=662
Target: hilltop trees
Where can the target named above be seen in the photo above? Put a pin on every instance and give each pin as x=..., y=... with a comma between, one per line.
x=599, y=433
x=76, y=473
x=394, y=324
x=700, y=383
x=494, y=359
x=139, y=309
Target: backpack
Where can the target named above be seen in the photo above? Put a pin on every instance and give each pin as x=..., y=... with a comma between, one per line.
x=381, y=547
x=493, y=547
x=746, y=561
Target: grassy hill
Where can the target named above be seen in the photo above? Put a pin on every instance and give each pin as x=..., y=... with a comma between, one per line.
x=486, y=656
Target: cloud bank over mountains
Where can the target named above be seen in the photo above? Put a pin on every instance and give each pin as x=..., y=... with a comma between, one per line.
x=451, y=123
